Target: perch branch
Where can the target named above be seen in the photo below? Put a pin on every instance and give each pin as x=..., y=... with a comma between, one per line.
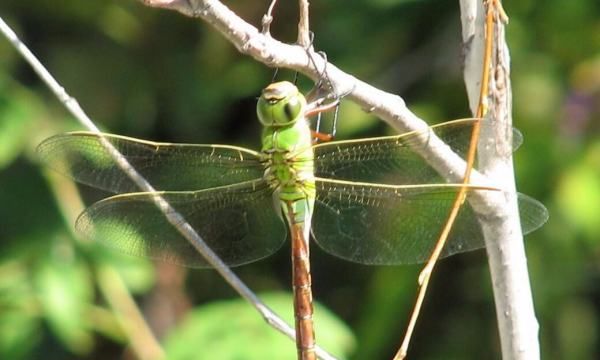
x=389, y=107
x=170, y=213
x=498, y=224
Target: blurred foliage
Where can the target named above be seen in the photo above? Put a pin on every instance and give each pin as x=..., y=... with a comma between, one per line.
x=235, y=330
x=154, y=74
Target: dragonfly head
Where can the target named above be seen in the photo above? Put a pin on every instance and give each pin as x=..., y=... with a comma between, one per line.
x=280, y=104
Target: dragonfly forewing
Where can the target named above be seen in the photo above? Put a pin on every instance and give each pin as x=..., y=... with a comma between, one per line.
x=238, y=222
x=395, y=159
x=167, y=167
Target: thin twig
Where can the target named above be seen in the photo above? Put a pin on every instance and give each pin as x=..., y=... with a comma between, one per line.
x=170, y=213
x=492, y=13
x=304, y=39
x=503, y=229
x=389, y=107
x=267, y=19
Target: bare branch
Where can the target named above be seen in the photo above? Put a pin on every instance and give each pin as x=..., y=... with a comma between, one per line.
x=303, y=25
x=517, y=324
x=267, y=19
x=169, y=212
x=389, y=107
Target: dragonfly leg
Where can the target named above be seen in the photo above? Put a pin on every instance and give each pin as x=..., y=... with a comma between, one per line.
x=320, y=137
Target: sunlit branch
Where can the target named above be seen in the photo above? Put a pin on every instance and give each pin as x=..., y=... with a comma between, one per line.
x=517, y=324
x=389, y=107
x=169, y=212
x=515, y=313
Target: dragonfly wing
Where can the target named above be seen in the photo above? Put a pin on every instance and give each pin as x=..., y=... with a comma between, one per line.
x=533, y=213
x=170, y=167
x=238, y=222
x=394, y=159
x=392, y=225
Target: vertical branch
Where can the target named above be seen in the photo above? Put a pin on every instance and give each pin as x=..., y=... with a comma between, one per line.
x=517, y=324
x=267, y=19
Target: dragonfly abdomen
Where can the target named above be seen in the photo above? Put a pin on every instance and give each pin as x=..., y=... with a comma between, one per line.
x=287, y=148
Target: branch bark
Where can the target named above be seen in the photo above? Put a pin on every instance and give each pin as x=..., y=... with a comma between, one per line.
x=389, y=107
x=169, y=212
x=516, y=320
x=517, y=323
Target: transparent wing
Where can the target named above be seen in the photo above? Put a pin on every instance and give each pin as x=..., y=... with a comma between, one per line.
x=238, y=222
x=391, y=225
x=169, y=167
x=394, y=159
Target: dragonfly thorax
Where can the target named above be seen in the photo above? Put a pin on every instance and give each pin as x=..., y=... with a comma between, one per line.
x=286, y=142
x=289, y=156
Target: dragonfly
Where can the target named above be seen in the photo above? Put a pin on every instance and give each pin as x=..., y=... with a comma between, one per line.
x=373, y=201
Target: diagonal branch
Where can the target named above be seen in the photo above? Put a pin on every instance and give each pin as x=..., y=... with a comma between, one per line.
x=389, y=107
x=499, y=212
x=169, y=212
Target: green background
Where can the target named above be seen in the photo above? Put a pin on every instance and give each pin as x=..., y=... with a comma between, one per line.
x=157, y=75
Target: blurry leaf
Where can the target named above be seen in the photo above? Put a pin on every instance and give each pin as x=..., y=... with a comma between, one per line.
x=18, y=110
x=120, y=24
x=137, y=272
x=537, y=91
x=65, y=292
x=229, y=330
x=106, y=324
x=28, y=212
x=352, y=120
x=430, y=112
x=578, y=329
x=586, y=76
x=18, y=334
x=390, y=295
x=579, y=193
x=384, y=4
x=19, y=325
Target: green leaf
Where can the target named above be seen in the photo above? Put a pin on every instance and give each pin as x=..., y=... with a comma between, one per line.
x=232, y=329
x=19, y=333
x=65, y=293
x=138, y=273
x=18, y=110
x=19, y=325
x=579, y=193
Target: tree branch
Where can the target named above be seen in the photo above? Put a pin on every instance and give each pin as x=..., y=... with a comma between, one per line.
x=389, y=107
x=169, y=212
x=498, y=210
x=303, y=25
x=517, y=324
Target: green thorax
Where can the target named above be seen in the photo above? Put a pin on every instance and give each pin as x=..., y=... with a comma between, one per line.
x=289, y=150
x=287, y=141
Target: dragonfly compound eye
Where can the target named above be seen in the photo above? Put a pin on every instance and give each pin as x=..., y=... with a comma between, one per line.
x=280, y=104
x=292, y=108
